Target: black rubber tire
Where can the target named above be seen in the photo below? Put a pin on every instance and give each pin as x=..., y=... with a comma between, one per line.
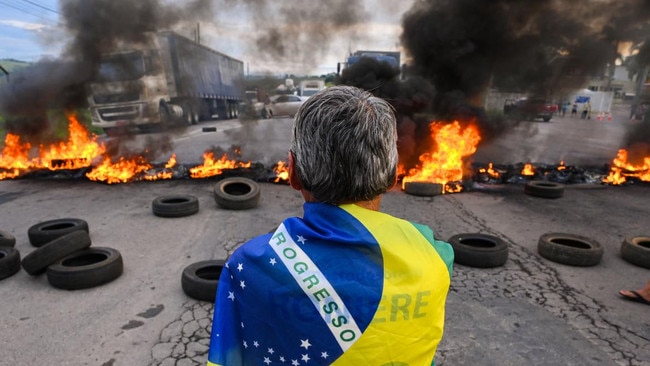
x=86, y=268
x=479, y=250
x=201, y=279
x=569, y=249
x=544, y=189
x=46, y=231
x=636, y=250
x=37, y=260
x=6, y=239
x=237, y=193
x=9, y=262
x=423, y=188
x=175, y=205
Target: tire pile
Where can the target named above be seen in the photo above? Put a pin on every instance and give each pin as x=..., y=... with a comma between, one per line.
x=63, y=252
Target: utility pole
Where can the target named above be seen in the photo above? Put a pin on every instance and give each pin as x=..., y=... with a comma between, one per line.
x=640, y=87
x=5, y=72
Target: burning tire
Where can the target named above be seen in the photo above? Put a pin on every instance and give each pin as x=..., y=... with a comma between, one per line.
x=237, y=193
x=544, y=189
x=479, y=250
x=201, y=279
x=46, y=231
x=175, y=205
x=636, y=250
x=573, y=250
x=86, y=268
x=6, y=239
x=423, y=188
x=9, y=262
x=39, y=259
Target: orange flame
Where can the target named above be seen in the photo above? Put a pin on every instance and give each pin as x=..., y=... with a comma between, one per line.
x=621, y=169
x=212, y=167
x=121, y=171
x=77, y=152
x=15, y=157
x=81, y=150
x=561, y=166
x=528, y=170
x=281, y=170
x=490, y=171
x=445, y=164
x=165, y=173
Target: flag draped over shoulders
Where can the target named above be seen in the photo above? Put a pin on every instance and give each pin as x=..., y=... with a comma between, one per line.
x=341, y=286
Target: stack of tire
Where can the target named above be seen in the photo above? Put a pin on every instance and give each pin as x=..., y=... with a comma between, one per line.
x=9, y=256
x=64, y=254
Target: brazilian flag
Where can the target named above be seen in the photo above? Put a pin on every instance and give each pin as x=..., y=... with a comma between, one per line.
x=343, y=285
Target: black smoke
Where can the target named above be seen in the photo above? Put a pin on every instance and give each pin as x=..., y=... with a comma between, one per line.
x=545, y=48
x=93, y=27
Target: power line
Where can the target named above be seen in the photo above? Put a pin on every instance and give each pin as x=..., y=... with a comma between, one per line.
x=25, y=11
x=42, y=7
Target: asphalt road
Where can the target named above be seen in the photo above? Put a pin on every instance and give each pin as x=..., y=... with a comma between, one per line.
x=530, y=311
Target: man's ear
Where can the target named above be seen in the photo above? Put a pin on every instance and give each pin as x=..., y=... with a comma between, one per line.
x=294, y=181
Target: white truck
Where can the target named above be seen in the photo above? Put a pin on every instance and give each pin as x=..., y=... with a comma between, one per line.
x=307, y=88
x=166, y=79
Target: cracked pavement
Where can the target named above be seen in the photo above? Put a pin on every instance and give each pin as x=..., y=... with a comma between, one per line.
x=529, y=311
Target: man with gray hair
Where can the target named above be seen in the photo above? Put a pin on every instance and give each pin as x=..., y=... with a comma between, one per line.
x=345, y=284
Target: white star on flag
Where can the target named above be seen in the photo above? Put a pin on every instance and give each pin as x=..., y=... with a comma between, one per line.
x=301, y=239
x=256, y=344
x=282, y=359
x=305, y=343
x=272, y=261
x=324, y=355
x=271, y=351
x=231, y=295
x=240, y=267
x=305, y=357
x=245, y=344
x=267, y=360
x=295, y=363
x=242, y=284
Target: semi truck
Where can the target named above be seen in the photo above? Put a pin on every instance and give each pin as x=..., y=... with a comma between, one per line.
x=165, y=79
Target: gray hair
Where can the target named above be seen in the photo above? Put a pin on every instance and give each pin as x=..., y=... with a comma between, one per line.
x=344, y=145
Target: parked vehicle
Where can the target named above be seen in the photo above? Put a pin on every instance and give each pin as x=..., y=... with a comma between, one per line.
x=284, y=105
x=166, y=79
x=307, y=88
x=529, y=109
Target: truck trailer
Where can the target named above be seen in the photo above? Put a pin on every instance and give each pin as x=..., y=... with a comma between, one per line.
x=166, y=79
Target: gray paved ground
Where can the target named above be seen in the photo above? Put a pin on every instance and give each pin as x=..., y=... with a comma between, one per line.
x=530, y=311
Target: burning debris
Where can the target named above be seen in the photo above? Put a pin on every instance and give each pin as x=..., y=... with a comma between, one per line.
x=83, y=151
x=457, y=49
x=446, y=164
x=522, y=173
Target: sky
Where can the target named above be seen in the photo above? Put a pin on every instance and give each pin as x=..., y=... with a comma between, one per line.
x=31, y=30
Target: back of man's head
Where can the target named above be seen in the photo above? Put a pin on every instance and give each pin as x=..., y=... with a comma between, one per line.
x=344, y=145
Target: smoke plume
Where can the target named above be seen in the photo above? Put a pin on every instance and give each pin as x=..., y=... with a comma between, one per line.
x=545, y=48
x=94, y=27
